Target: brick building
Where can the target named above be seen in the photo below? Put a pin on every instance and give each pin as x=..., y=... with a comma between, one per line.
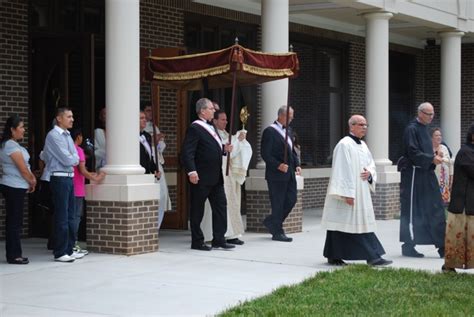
x=57, y=52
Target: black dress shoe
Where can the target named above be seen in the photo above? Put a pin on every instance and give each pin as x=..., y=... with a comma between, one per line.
x=223, y=246
x=336, y=262
x=201, y=247
x=281, y=237
x=18, y=261
x=236, y=241
x=411, y=252
x=379, y=262
x=445, y=269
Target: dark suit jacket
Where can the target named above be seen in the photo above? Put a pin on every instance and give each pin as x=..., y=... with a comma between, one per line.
x=201, y=153
x=272, y=149
x=146, y=161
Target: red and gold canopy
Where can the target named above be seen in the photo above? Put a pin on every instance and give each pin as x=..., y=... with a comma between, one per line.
x=188, y=72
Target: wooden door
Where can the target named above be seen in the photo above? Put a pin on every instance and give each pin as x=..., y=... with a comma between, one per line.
x=175, y=174
x=62, y=74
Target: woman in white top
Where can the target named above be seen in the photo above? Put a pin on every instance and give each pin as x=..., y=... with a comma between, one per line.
x=99, y=141
x=16, y=181
x=444, y=171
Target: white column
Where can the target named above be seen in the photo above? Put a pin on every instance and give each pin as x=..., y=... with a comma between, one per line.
x=376, y=90
x=122, y=86
x=125, y=180
x=451, y=88
x=275, y=34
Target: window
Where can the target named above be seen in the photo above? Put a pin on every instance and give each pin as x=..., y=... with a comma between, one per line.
x=67, y=16
x=40, y=14
x=318, y=96
x=401, y=99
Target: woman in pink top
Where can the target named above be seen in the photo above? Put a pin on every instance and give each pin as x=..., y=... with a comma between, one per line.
x=80, y=175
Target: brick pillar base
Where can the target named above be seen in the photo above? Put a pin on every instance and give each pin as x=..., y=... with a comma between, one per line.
x=126, y=228
x=386, y=199
x=258, y=204
x=258, y=207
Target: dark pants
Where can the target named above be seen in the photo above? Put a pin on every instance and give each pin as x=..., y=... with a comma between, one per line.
x=46, y=203
x=14, y=199
x=79, y=209
x=218, y=201
x=62, y=190
x=282, y=199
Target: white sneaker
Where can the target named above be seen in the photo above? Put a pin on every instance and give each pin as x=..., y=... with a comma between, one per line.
x=78, y=249
x=83, y=251
x=65, y=258
x=77, y=255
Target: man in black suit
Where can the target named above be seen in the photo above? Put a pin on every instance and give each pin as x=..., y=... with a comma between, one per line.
x=202, y=158
x=280, y=176
x=146, y=156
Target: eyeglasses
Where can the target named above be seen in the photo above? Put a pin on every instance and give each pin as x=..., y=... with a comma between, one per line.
x=431, y=114
x=365, y=125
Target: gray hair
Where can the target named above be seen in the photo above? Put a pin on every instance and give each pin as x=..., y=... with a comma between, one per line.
x=423, y=106
x=202, y=104
x=282, y=110
x=354, y=119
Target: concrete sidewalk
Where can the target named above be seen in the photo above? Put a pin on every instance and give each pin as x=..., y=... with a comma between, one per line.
x=176, y=280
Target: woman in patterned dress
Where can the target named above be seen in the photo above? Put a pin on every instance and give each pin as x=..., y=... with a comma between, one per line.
x=443, y=171
x=459, y=243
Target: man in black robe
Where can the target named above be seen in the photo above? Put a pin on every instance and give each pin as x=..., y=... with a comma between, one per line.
x=422, y=218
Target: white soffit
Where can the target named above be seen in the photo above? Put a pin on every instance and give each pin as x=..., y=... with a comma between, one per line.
x=248, y=6
x=345, y=16
x=354, y=29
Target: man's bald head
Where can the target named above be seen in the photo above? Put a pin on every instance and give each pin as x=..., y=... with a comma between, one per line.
x=358, y=125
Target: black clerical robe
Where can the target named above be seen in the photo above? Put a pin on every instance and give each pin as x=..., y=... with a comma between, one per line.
x=422, y=218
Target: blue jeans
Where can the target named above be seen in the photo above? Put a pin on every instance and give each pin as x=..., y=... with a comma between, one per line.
x=79, y=208
x=62, y=190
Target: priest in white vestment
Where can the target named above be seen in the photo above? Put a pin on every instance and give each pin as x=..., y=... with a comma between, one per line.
x=239, y=162
x=348, y=214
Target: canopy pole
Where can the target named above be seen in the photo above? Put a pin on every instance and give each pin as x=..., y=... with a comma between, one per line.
x=285, y=155
x=153, y=137
x=232, y=111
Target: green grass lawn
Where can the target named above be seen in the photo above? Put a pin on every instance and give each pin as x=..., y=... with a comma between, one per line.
x=363, y=291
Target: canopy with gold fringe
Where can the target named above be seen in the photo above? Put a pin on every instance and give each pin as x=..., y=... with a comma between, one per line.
x=187, y=72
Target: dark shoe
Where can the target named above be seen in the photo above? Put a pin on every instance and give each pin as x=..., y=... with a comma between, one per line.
x=441, y=252
x=19, y=261
x=379, y=262
x=445, y=269
x=223, y=246
x=281, y=237
x=336, y=262
x=411, y=252
x=201, y=247
x=236, y=241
